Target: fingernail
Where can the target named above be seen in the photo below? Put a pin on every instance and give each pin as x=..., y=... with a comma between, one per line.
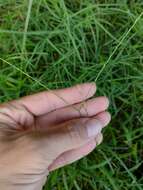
x=99, y=139
x=94, y=127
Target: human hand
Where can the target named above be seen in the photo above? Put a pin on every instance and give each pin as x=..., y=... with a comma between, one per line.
x=47, y=130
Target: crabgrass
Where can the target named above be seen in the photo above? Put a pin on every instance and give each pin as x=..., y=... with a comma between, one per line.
x=51, y=44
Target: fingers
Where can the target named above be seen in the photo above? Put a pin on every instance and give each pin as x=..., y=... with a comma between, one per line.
x=76, y=133
x=72, y=155
x=86, y=109
x=99, y=139
x=76, y=154
x=104, y=117
x=47, y=101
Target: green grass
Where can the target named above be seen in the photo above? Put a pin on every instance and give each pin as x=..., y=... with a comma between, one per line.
x=51, y=44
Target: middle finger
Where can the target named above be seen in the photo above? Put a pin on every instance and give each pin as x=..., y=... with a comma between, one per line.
x=87, y=109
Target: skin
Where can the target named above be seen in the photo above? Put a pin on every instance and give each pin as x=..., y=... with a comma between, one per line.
x=42, y=132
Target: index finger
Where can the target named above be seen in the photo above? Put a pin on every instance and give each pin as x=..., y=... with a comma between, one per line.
x=47, y=101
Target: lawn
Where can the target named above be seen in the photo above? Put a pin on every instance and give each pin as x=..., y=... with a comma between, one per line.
x=47, y=44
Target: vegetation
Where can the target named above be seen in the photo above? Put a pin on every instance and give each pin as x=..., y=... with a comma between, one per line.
x=52, y=44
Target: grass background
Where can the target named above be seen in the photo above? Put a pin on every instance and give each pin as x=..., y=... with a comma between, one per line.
x=58, y=43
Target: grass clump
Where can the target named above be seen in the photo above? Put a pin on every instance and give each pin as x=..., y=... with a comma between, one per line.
x=60, y=43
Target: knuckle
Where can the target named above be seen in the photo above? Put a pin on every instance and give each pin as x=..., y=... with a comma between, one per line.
x=83, y=109
x=77, y=132
x=14, y=117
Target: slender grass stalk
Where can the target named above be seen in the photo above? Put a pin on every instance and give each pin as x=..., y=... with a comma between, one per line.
x=118, y=45
x=26, y=26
